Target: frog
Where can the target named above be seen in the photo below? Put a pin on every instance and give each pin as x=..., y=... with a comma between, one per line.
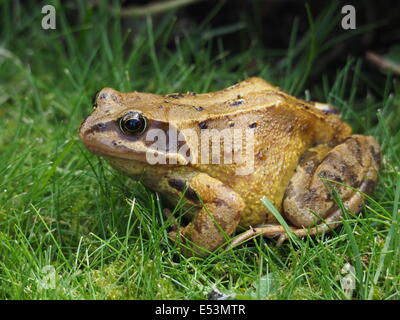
x=302, y=152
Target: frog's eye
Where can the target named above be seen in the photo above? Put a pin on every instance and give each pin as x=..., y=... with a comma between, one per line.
x=133, y=123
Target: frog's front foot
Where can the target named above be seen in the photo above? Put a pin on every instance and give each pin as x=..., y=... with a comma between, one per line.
x=219, y=215
x=308, y=203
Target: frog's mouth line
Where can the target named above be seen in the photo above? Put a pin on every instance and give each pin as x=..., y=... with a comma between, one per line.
x=125, y=154
x=110, y=152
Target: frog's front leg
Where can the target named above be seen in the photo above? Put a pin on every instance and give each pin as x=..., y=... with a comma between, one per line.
x=308, y=204
x=220, y=212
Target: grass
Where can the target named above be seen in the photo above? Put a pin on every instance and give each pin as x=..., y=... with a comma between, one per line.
x=65, y=213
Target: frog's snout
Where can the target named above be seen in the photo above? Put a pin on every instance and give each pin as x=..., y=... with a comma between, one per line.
x=105, y=96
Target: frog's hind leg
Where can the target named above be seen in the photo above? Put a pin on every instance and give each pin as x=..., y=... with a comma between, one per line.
x=308, y=201
x=353, y=163
x=333, y=219
x=308, y=204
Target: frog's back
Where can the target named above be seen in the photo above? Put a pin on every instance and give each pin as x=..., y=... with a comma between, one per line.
x=253, y=94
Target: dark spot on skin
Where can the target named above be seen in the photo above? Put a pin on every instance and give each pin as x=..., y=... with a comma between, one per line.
x=376, y=155
x=236, y=103
x=310, y=196
x=331, y=210
x=203, y=125
x=198, y=108
x=174, y=95
x=260, y=155
x=101, y=127
x=346, y=171
x=180, y=185
x=231, y=124
x=220, y=202
x=118, y=145
x=368, y=186
x=333, y=143
x=289, y=192
x=306, y=156
x=309, y=169
x=177, y=184
x=103, y=96
x=358, y=151
x=253, y=125
x=330, y=176
x=309, y=162
x=352, y=177
x=191, y=195
x=239, y=96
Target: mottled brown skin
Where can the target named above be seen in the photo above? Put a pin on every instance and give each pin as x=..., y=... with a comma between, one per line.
x=296, y=142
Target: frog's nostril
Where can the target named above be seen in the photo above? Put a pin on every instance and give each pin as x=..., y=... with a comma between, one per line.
x=105, y=96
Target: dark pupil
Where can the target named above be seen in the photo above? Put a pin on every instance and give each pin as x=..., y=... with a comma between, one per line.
x=133, y=125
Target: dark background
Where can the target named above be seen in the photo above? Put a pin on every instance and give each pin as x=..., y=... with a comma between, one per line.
x=269, y=23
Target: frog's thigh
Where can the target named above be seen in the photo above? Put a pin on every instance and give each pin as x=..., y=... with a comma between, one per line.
x=219, y=216
x=355, y=163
